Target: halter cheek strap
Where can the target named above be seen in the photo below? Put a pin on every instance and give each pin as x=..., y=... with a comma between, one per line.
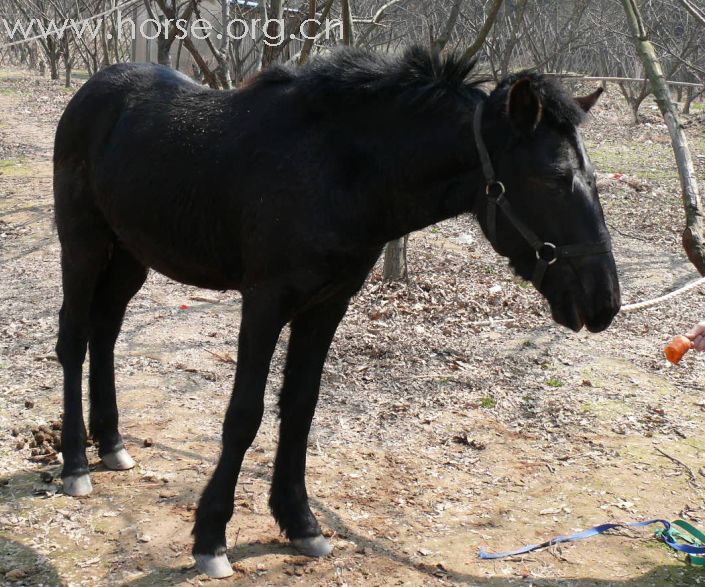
x=546, y=253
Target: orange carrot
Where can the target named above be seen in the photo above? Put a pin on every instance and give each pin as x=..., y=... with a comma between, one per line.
x=677, y=348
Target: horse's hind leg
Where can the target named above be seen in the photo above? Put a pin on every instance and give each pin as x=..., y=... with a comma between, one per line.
x=85, y=243
x=120, y=281
x=311, y=336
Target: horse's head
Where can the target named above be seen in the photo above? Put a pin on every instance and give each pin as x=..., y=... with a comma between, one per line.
x=541, y=208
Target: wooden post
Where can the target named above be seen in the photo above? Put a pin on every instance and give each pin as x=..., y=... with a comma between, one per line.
x=395, y=266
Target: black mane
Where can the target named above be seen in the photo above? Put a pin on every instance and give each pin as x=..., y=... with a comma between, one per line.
x=421, y=77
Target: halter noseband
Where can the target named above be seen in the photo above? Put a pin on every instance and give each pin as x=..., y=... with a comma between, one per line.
x=546, y=253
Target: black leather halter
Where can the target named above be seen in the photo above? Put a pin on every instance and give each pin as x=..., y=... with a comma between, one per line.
x=546, y=253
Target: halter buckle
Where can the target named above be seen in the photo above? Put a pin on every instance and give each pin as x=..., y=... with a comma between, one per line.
x=495, y=190
x=547, y=253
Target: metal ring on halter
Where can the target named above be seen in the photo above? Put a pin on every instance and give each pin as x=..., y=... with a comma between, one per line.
x=547, y=247
x=493, y=184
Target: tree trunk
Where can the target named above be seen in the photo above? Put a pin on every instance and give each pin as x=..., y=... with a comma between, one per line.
x=444, y=37
x=313, y=27
x=270, y=52
x=688, y=100
x=395, y=267
x=693, y=235
x=67, y=73
x=472, y=50
x=514, y=36
x=208, y=76
x=164, y=51
x=133, y=42
x=348, y=27
x=222, y=54
x=54, y=66
x=68, y=62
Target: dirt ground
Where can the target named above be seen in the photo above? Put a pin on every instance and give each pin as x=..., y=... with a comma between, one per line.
x=436, y=433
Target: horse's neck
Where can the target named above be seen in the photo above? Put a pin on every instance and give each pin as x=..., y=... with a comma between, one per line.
x=420, y=189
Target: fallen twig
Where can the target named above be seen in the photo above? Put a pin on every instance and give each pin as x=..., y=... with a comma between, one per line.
x=223, y=358
x=203, y=299
x=678, y=462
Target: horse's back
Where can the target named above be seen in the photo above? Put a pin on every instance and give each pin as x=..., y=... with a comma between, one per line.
x=210, y=188
x=91, y=114
x=118, y=156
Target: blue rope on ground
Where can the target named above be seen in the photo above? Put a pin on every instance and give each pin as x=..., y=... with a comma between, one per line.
x=668, y=535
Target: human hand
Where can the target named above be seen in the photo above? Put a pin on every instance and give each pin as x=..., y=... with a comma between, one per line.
x=697, y=335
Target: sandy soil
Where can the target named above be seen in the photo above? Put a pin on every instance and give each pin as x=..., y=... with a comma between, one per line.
x=435, y=434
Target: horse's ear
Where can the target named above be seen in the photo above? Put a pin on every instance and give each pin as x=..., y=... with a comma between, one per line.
x=587, y=102
x=524, y=106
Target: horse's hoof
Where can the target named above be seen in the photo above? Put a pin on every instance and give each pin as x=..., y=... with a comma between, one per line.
x=119, y=460
x=78, y=485
x=313, y=546
x=215, y=566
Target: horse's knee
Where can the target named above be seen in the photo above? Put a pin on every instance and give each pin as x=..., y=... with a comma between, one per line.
x=70, y=345
x=241, y=426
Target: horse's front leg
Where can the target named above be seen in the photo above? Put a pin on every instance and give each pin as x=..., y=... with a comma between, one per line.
x=311, y=335
x=259, y=330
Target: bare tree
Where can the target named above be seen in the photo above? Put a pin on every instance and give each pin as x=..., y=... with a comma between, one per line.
x=694, y=233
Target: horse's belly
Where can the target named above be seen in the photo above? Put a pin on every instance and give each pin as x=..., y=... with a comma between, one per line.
x=200, y=276
x=187, y=261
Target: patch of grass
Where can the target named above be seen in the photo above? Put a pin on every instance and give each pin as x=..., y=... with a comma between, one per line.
x=554, y=382
x=488, y=402
x=697, y=144
x=14, y=167
x=586, y=407
x=652, y=161
x=80, y=74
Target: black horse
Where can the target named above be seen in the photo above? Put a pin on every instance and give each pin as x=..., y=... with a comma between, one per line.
x=287, y=190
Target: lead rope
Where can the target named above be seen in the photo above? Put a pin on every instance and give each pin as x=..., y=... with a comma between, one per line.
x=663, y=298
x=694, y=539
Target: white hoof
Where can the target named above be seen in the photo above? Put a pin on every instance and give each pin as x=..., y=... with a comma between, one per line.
x=315, y=546
x=216, y=567
x=78, y=485
x=118, y=461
